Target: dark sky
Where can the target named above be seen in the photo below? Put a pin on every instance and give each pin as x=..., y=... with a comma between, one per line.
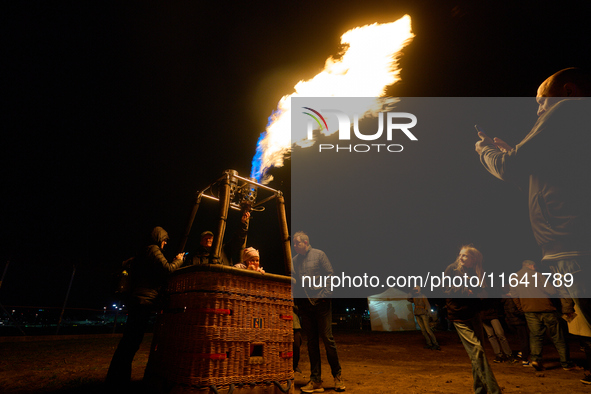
x=114, y=115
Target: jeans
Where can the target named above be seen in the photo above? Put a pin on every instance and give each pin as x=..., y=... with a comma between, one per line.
x=538, y=323
x=471, y=334
x=423, y=321
x=496, y=337
x=317, y=324
x=580, y=292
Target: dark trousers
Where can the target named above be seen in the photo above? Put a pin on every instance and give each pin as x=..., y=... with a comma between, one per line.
x=133, y=335
x=317, y=325
x=586, y=345
x=522, y=338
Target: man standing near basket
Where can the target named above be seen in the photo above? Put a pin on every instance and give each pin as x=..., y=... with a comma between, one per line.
x=316, y=312
x=147, y=277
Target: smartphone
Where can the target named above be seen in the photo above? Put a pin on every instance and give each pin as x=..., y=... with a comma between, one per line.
x=186, y=253
x=479, y=129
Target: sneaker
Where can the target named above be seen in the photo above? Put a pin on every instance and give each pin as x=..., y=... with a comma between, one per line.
x=526, y=364
x=313, y=387
x=586, y=379
x=537, y=365
x=499, y=359
x=339, y=383
x=436, y=347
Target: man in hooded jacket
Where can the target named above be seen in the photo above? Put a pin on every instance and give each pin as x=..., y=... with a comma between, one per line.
x=147, y=277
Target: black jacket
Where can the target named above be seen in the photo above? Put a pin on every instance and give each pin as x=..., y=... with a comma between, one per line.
x=460, y=306
x=491, y=309
x=231, y=250
x=150, y=269
x=513, y=316
x=554, y=160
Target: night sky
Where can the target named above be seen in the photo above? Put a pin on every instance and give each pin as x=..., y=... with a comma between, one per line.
x=114, y=115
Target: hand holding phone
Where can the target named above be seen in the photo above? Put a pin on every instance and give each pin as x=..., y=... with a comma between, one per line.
x=484, y=140
x=499, y=143
x=479, y=129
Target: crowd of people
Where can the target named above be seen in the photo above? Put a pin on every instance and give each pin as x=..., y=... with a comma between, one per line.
x=552, y=160
x=530, y=312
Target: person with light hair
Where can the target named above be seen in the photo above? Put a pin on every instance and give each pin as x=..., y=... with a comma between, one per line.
x=463, y=308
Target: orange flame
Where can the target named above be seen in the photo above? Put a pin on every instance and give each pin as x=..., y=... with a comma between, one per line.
x=366, y=68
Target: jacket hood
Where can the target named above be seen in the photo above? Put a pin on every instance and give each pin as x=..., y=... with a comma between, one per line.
x=159, y=235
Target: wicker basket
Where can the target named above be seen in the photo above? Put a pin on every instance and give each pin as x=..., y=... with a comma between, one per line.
x=225, y=328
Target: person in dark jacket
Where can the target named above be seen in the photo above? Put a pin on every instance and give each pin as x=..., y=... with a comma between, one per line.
x=231, y=251
x=494, y=330
x=422, y=311
x=553, y=160
x=463, y=308
x=542, y=316
x=315, y=312
x=515, y=319
x=147, y=277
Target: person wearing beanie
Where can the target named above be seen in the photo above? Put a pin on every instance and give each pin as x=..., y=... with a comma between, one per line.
x=250, y=260
x=230, y=252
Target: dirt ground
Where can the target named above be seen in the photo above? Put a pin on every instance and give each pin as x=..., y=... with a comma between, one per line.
x=372, y=362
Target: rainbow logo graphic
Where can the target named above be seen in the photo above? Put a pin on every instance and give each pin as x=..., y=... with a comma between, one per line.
x=316, y=119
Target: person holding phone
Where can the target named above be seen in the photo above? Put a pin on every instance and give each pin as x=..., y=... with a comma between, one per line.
x=553, y=160
x=147, y=278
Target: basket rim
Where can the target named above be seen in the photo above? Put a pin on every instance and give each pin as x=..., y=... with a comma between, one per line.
x=231, y=270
